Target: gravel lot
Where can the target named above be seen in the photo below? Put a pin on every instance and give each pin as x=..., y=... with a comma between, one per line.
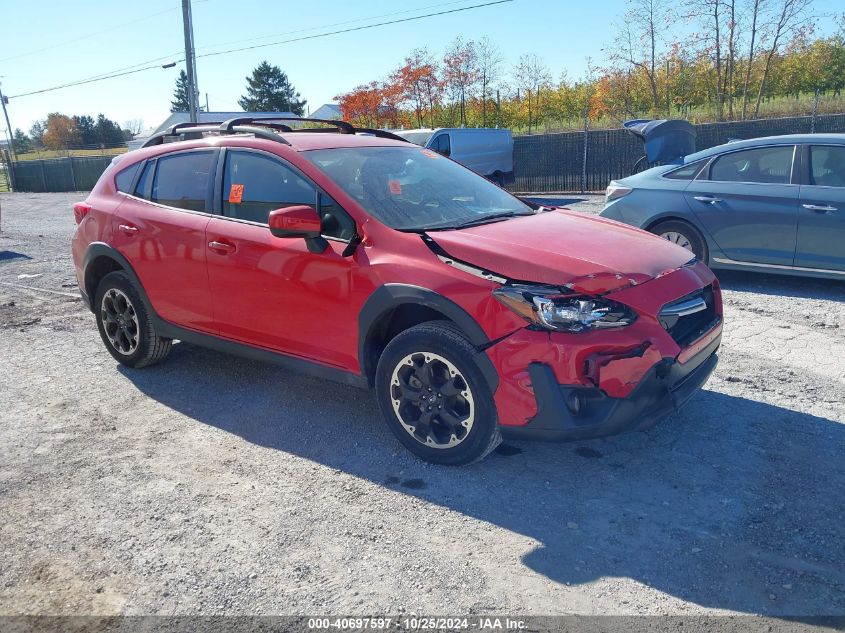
x=210, y=484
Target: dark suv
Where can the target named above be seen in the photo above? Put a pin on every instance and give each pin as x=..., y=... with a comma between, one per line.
x=353, y=255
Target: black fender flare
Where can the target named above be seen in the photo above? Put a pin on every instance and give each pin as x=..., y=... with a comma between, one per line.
x=390, y=296
x=100, y=249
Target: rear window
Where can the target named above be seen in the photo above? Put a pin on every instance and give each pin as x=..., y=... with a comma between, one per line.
x=142, y=189
x=827, y=165
x=769, y=165
x=124, y=179
x=183, y=180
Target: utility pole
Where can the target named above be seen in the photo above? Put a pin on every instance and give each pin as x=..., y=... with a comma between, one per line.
x=190, y=60
x=4, y=100
x=11, y=136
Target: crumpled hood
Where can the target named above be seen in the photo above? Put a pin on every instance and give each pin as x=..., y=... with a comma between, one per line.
x=563, y=248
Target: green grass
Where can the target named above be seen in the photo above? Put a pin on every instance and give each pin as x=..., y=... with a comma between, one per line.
x=769, y=109
x=63, y=153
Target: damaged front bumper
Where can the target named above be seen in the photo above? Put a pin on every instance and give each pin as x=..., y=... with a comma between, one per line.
x=575, y=412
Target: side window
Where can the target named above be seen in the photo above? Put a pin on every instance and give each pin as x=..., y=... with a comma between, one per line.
x=772, y=165
x=124, y=179
x=442, y=145
x=336, y=223
x=827, y=165
x=182, y=180
x=254, y=185
x=687, y=172
x=145, y=182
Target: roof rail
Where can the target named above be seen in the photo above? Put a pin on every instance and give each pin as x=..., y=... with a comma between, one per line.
x=342, y=126
x=381, y=134
x=259, y=127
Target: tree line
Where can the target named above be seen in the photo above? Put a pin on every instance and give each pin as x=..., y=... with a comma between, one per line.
x=740, y=59
x=62, y=132
x=268, y=89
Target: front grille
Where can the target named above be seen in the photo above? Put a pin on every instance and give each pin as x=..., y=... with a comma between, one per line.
x=686, y=320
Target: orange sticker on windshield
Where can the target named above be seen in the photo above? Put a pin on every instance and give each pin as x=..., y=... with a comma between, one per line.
x=395, y=187
x=236, y=194
x=430, y=154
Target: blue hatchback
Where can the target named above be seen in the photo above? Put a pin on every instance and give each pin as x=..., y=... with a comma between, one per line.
x=774, y=204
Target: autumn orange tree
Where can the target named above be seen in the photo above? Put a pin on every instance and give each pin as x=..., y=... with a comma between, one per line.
x=733, y=59
x=60, y=133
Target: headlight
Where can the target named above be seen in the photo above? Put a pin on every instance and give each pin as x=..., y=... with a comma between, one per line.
x=550, y=309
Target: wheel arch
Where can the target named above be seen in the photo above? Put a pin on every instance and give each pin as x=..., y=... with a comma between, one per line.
x=709, y=244
x=393, y=308
x=102, y=259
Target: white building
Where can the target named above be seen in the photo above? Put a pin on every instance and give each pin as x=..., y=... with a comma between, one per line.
x=327, y=112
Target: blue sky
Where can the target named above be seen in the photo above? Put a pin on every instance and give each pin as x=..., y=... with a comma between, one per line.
x=99, y=36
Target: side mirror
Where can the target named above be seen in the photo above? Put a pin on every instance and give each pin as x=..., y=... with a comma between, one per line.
x=298, y=221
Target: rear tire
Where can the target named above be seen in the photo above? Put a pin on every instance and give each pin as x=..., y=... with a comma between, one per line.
x=683, y=234
x=434, y=397
x=125, y=325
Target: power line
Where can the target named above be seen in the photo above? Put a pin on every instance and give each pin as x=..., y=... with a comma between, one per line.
x=113, y=74
x=355, y=28
x=86, y=81
x=327, y=26
x=95, y=33
x=88, y=36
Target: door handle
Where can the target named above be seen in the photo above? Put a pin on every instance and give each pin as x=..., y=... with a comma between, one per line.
x=709, y=199
x=128, y=229
x=223, y=248
x=819, y=207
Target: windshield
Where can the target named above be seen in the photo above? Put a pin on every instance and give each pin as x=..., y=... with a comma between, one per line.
x=409, y=188
x=418, y=138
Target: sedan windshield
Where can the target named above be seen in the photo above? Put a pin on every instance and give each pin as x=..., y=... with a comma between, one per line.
x=415, y=189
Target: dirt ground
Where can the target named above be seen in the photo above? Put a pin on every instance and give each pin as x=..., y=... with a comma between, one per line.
x=210, y=484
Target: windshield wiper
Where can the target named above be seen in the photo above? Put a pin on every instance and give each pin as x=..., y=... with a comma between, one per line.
x=487, y=219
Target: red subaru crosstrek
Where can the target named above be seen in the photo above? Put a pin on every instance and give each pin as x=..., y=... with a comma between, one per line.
x=353, y=255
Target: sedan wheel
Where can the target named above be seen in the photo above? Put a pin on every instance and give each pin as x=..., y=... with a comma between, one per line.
x=677, y=238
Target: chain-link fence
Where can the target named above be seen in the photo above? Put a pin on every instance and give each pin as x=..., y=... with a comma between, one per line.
x=557, y=162
x=542, y=162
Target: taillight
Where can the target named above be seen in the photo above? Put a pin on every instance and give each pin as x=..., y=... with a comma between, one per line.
x=80, y=210
x=616, y=190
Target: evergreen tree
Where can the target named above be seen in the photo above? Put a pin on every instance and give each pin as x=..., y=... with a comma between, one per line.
x=21, y=142
x=87, y=130
x=108, y=132
x=270, y=90
x=181, y=102
x=36, y=133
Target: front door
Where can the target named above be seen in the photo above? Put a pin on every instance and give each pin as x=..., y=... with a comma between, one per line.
x=821, y=215
x=272, y=292
x=160, y=228
x=748, y=204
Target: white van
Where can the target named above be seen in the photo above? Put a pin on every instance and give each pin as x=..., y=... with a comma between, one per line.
x=486, y=151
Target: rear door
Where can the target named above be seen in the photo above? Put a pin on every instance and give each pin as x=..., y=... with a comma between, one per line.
x=748, y=202
x=160, y=229
x=272, y=292
x=821, y=215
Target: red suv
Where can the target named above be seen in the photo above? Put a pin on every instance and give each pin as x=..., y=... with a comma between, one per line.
x=354, y=255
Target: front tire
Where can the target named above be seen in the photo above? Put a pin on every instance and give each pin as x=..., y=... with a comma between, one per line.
x=125, y=325
x=683, y=234
x=434, y=397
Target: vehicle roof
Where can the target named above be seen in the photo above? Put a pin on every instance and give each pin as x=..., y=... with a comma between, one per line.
x=763, y=141
x=297, y=141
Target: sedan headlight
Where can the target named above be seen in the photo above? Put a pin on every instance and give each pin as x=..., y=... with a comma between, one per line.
x=548, y=308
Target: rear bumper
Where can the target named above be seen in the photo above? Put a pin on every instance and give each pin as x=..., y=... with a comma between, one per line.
x=575, y=412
